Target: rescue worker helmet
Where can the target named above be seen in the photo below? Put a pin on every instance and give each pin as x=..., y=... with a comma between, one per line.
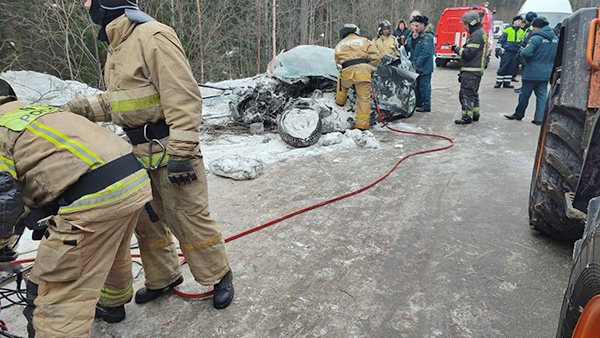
x=471, y=18
x=7, y=94
x=349, y=28
x=384, y=24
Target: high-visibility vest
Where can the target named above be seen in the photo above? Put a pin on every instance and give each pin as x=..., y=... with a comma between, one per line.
x=514, y=36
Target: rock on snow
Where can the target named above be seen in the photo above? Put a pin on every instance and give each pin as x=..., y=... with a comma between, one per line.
x=364, y=139
x=237, y=167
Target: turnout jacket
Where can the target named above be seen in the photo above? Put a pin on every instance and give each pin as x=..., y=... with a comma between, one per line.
x=354, y=47
x=387, y=45
x=43, y=151
x=148, y=79
x=474, y=51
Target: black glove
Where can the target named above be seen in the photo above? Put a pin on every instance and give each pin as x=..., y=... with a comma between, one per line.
x=459, y=78
x=181, y=171
x=498, y=53
x=455, y=49
x=7, y=254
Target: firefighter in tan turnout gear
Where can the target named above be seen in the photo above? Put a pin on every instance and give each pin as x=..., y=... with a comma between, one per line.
x=85, y=191
x=153, y=95
x=357, y=57
x=386, y=43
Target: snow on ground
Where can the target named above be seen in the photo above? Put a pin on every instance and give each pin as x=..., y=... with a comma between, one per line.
x=33, y=87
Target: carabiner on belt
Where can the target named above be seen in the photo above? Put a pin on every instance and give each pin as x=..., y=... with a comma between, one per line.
x=152, y=141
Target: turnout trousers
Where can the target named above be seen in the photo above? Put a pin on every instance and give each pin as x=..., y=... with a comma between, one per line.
x=182, y=211
x=509, y=65
x=79, y=263
x=363, y=98
x=469, y=92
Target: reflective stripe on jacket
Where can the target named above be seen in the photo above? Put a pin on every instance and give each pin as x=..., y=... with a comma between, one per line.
x=474, y=52
x=511, y=38
x=47, y=151
x=354, y=47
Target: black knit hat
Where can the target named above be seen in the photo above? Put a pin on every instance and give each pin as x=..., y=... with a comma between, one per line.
x=518, y=17
x=540, y=22
x=420, y=18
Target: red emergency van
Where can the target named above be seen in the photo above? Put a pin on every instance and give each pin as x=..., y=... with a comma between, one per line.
x=450, y=31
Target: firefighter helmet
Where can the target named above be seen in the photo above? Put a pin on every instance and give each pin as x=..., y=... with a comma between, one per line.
x=471, y=18
x=349, y=28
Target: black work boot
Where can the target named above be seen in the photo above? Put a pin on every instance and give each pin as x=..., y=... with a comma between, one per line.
x=110, y=314
x=223, y=292
x=144, y=295
x=465, y=119
x=476, y=116
x=423, y=110
x=498, y=85
x=508, y=85
x=513, y=117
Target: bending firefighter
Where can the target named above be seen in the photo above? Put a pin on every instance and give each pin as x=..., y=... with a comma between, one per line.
x=85, y=192
x=472, y=58
x=153, y=95
x=386, y=43
x=357, y=58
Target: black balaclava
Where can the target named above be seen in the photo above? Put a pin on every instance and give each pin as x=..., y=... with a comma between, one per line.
x=102, y=18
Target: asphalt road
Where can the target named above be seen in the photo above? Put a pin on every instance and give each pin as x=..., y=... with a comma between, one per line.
x=442, y=248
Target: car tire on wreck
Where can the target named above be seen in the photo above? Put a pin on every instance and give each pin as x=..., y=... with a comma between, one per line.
x=558, y=162
x=300, y=126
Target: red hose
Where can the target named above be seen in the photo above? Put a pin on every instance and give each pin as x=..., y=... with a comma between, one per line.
x=318, y=205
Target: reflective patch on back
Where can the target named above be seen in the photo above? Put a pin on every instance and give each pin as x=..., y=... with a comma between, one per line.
x=19, y=119
x=352, y=42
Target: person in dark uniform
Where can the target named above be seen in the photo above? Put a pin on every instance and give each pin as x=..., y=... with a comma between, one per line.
x=421, y=47
x=509, y=47
x=472, y=57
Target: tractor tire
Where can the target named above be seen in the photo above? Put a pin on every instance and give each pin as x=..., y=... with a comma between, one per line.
x=557, y=166
x=584, y=282
x=300, y=127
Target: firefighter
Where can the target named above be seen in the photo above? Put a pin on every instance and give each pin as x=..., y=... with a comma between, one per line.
x=421, y=47
x=153, y=95
x=386, y=43
x=84, y=191
x=472, y=58
x=357, y=58
x=508, y=48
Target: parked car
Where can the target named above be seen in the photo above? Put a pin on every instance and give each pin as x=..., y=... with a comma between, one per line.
x=498, y=28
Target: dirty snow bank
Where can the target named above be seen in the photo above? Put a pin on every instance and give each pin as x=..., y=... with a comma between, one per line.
x=34, y=87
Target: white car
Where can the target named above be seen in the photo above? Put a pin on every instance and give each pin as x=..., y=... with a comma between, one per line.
x=498, y=28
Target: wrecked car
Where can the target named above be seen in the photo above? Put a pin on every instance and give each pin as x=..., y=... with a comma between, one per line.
x=285, y=98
